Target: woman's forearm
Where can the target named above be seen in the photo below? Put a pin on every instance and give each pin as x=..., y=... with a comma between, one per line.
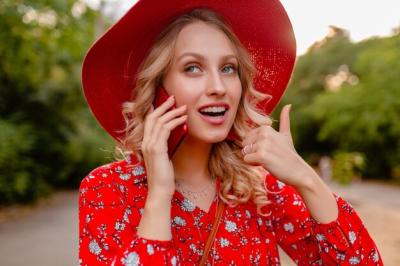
x=156, y=219
x=318, y=198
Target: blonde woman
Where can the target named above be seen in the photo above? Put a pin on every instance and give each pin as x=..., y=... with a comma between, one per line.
x=234, y=188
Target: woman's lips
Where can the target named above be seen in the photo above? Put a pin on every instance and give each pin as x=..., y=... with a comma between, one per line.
x=215, y=120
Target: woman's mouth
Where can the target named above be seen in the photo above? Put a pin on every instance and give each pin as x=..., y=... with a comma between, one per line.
x=214, y=117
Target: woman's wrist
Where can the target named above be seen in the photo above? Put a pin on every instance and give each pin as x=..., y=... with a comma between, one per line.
x=155, y=222
x=159, y=194
x=317, y=197
x=158, y=200
x=307, y=178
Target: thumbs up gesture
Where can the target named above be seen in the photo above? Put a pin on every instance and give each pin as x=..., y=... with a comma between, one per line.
x=275, y=151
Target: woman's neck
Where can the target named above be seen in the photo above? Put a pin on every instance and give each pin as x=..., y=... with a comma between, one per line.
x=191, y=163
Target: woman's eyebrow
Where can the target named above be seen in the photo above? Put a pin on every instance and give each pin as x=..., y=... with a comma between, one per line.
x=190, y=54
x=201, y=57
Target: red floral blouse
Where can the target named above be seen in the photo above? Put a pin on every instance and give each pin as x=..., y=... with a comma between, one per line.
x=111, y=201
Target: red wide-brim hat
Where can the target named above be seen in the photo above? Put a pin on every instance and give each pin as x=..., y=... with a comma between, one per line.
x=111, y=64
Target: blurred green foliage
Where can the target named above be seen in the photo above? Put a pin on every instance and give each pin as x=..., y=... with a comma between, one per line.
x=346, y=98
x=347, y=166
x=47, y=136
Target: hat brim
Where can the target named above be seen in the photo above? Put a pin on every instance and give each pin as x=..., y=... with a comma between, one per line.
x=109, y=68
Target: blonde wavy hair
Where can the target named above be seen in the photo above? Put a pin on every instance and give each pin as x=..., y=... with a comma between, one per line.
x=239, y=180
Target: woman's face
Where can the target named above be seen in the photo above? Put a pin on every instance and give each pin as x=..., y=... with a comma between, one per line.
x=204, y=73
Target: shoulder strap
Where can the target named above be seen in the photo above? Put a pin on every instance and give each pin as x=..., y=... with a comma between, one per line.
x=212, y=234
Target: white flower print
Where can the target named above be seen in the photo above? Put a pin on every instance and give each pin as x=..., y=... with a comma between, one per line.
x=187, y=205
x=248, y=215
x=230, y=226
x=340, y=256
x=179, y=221
x=125, y=176
x=150, y=249
x=255, y=260
x=138, y=170
x=173, y=261
x=354, y=260
x=94, y=247
x=88, y=218
x=126, y=214
x=118, y=169
x=352, y=237
x=238, y=214
x=296, y=201
x=100, y=205
x=280, y=184
x=279, y=199
x=83, y=191
x=255, y=240
x=375, y=257
x=224, y=242
x=288, y=227
x=119, y=226
x=320, y=237
x=131, y=260
x=193, y=248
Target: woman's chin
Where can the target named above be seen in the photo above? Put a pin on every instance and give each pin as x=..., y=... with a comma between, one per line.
x=210, y=134
x=213, y=137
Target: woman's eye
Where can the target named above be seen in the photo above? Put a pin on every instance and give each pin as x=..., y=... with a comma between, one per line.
x=192, y=69
x=229, y=69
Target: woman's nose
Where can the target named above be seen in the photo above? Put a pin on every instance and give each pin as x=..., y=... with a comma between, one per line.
x=215, y=84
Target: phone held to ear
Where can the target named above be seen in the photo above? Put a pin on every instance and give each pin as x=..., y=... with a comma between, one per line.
x=178, y=133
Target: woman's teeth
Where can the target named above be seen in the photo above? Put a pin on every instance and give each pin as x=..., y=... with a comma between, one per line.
x=213, y=111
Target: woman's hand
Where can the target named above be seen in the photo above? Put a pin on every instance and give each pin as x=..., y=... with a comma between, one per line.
x=157, y=128
x=275, y=151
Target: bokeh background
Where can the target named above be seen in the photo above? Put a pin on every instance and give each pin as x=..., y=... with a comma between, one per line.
x=345, y=117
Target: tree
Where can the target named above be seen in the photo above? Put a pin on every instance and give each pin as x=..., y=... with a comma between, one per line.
x=347, y=99
x=42, y=44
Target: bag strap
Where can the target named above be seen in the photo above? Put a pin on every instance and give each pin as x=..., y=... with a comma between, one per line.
x=212, y=234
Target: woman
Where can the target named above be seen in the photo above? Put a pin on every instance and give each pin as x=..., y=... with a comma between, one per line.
x=235, y=188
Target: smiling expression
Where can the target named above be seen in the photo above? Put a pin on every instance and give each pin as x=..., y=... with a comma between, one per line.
x=204, y=73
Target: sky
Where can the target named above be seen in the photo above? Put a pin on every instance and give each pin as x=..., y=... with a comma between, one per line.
x=362, y=18
x=311, y=18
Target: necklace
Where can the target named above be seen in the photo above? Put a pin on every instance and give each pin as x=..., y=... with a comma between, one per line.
x=195, y=194
x=202, y=192
x=198, y=224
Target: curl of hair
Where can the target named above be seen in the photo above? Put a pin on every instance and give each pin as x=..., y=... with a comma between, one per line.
x=240, y=182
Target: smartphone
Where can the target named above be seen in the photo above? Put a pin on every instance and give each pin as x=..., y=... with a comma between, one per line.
x=178, y=134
